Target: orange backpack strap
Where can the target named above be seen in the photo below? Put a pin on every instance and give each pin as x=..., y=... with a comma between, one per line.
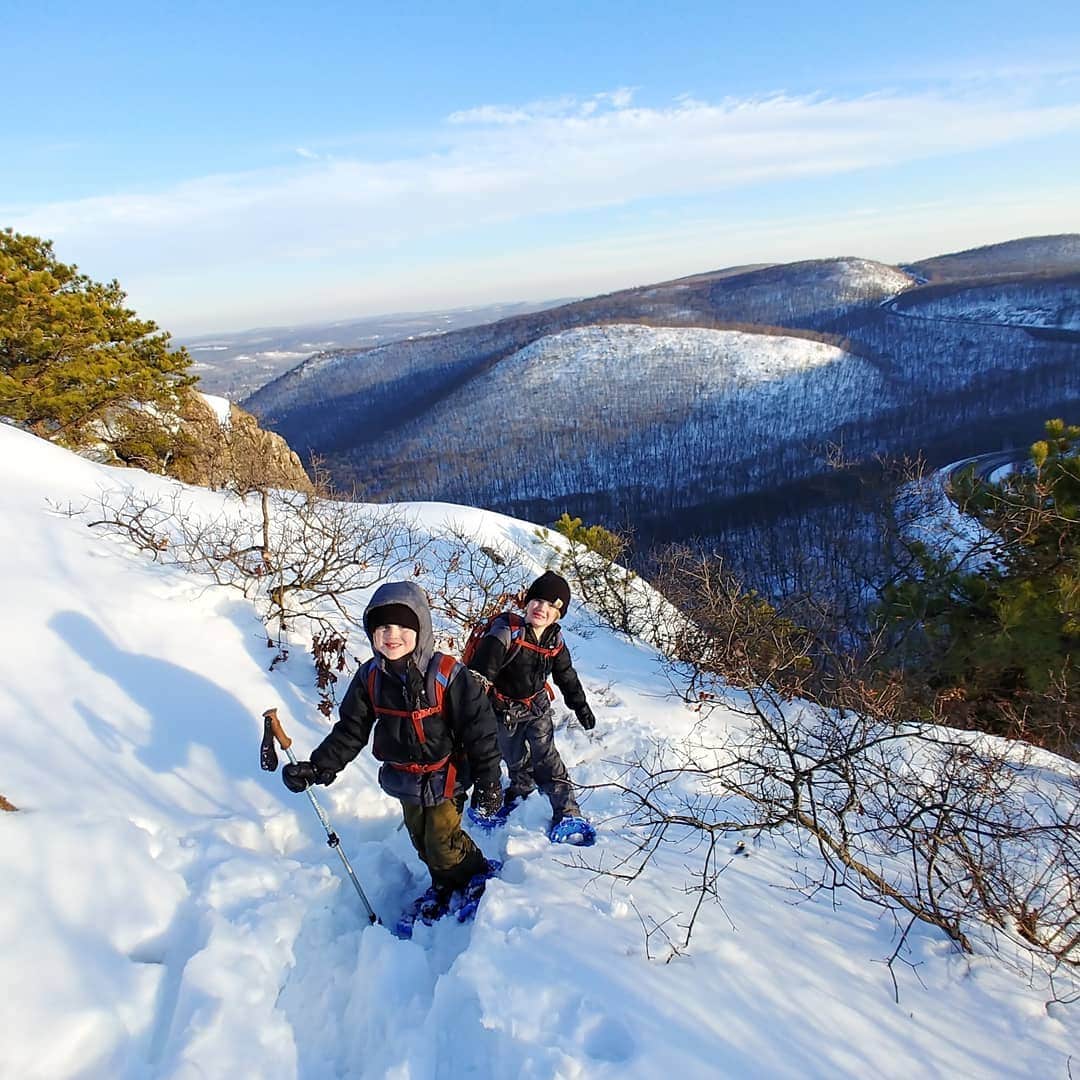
x=548, y=651
x=417, y=716
x=372, y=676
x=520, y=640
x=444, y=673
x=451, y=779
x=523, y=642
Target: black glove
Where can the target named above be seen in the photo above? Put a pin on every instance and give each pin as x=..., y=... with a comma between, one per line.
x=302, y=774
x=487, y=798
x=585, y=718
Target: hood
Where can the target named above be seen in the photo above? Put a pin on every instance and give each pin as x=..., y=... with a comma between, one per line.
x=412, y=596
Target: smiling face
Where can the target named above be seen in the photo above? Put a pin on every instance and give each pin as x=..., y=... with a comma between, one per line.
x=393, y=642
x=539, y=614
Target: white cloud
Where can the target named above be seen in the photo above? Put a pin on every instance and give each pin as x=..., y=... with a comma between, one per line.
x=490, y=114
x=495, y=166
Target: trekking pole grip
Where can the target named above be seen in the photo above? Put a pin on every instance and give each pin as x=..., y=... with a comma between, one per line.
x=283, y=740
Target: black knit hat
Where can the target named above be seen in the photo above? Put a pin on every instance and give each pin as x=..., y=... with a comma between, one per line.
x=552, y=588
x=391, y=615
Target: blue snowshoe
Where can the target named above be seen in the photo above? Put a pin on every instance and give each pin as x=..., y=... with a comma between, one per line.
x=435, y=903
x=467, y=900
x=491, y=822
x=428, y=907
x=572, y=829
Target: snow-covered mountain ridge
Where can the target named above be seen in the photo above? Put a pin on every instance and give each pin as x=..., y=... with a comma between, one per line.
x=172, y=912
x=589, y=357
x=1059, y=253
x=444, y=418
x=361, y=384
x=1052, y=303
x=642, y=374
x=678, y=413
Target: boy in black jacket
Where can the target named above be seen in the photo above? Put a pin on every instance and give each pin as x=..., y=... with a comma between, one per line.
x=515, y=658
x=430, y=754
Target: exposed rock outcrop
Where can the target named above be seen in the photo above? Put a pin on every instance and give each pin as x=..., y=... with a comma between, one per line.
x=223, y=446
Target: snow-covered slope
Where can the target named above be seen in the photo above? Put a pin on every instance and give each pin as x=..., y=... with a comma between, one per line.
x=1028, y=255
x=1053, y=304
x=649, y=362
x=330, y=403
x=675, y=414
x=635, y=376
x=170, y=911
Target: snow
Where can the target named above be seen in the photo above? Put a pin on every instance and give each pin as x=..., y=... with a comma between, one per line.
x=281, y=354
x=1049, y=305
x=863, y=276
x=930, y=516
x=170, y=911
x=221, y=408
x=673, y=399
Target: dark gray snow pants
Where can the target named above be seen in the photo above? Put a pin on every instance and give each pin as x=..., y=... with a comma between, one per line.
x=527, y=745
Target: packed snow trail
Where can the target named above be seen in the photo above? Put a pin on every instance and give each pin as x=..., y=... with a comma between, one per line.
x=172, y=912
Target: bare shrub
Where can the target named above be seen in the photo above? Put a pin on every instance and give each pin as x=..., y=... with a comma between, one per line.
x=298, y=555
x=965, y=832
x=470, y=581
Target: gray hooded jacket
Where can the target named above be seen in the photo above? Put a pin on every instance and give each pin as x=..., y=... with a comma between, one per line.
x=464, y=731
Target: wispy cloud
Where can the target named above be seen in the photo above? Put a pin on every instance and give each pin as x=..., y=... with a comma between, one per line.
x=497, y=164
x=547, y=108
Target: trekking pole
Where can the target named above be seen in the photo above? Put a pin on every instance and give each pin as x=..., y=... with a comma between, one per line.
x=272, y=730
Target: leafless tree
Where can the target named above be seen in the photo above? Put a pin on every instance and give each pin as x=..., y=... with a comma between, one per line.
x=297, y=555
x=972, y=834
x=470, y=580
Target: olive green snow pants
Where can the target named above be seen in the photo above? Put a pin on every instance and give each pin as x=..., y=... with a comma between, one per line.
x=451, y=856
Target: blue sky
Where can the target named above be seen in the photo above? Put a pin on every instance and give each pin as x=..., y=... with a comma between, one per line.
x=238, y=164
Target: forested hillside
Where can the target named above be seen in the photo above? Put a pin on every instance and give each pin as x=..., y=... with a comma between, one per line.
x=1038, y=300
x=710, y=405
x=339, y=402
x=627, y=418
x=1031, y=255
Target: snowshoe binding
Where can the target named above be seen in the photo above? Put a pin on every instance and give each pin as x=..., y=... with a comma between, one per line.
x=491, y=822
x=468, y=899
x=572, y=829
x=436, y=903
x=428, y=907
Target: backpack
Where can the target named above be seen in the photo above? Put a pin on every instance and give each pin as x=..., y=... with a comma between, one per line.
x=518, y=641
x=439, y=675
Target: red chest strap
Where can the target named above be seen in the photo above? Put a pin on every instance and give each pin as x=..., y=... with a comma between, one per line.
x=417, y=716
x=519, y=638
x=542, y=650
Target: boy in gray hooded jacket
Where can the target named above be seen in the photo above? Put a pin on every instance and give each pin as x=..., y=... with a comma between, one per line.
x=434, y=732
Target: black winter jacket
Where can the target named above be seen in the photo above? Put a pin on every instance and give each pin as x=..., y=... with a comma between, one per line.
x=466, y=723
x=525, y=674
x=465, y=726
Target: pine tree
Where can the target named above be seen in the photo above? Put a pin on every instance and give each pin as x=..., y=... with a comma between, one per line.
x=1006, y=636
x=76, y=365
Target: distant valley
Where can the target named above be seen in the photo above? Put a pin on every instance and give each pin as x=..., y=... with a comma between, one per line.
x=235, y=364
x=692, y=407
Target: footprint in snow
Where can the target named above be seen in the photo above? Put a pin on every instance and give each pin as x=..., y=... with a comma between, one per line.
x=606, y=696
x=608, y=1039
